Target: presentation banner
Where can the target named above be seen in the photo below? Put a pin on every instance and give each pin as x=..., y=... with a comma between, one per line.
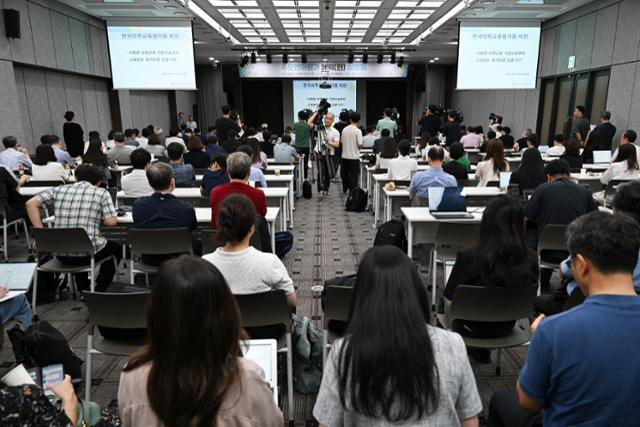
x=308, y=93
x=322, y=70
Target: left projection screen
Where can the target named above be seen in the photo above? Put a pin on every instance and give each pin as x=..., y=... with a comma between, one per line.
x=152, y=57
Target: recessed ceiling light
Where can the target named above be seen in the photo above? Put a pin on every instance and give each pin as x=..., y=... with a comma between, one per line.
x=216, y=61
x=436, y=59
x=431, y=61
x=211, y=58
x=324, y=59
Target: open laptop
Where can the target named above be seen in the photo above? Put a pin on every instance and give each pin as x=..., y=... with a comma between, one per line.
x=601, y=157
x=265, y=354
x=543, y=149
x=448, y=203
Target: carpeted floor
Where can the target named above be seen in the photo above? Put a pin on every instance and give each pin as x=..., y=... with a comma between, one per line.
x=328, y=243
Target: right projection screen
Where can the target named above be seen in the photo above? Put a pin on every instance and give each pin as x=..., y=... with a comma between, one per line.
x=498, y=56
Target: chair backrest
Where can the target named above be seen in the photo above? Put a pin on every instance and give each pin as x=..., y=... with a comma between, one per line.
x=264, y=309
x=337, y=304
x=200, y=171
x=159, y=241
x=127, y=201
x=465, y=183
x=493, y=184
x=492, y=304
x=62, y=240
x=381, y=170
x=210, y=242
x=117, y=310
x=280, y=163
x=48, y=183
x=457, y=234
x=552, y=238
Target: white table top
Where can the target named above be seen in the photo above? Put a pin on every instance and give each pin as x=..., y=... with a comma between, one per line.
x=203, y=216
x=282, y=168
x=32, y=191
x=587, y=176
x=268, y=177
x=421, y=214
x=385, y=176
x=601, y=166
x=466, y=191
x=194, y=192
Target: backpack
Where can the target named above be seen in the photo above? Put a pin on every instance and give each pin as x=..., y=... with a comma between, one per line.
x=307, y=191
x=391, y=233
x=357, y=201
x=307, y=355
x=369, y=159
x=284, y=243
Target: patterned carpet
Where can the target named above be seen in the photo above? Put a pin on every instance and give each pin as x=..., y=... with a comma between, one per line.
x=328, y=243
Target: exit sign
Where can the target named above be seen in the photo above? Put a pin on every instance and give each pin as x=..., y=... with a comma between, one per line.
x=572, y=62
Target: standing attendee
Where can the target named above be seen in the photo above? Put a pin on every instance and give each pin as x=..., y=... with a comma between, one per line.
x=558, y=147
x=531, y=172
x=493, y=164
x=191, y=123
x=302, y=131
x=211, y=385
x=386, y=122
x=327, y=141
x=402, y=167
x=216, y=175
x=82, y=205
x=283, y=152
x=46, y=167
x=224, y=124
x=572, y=154
x=580, y=125
x=506, y=138
x=628, y=137
x=62, y=156
x=458, y=163
x=426, y=379
x=73, y=135
x=451, y=129
x=601, y=137
x=183, y=174
x=14, y=157
x=435, y=176
x=623, y=167
x=351, y=143
x=471, y=139
x=155, y=147
x=120, y=154
x=180, y=121
x=581, y=367
x=135, y=183
x=196, y=156
x=369, y=138
x=496, y=123
x=431, y=122
x=239, y=169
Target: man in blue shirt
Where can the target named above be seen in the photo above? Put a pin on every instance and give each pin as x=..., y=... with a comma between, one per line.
x=212, y=148
x=183, y=174
x=14, y=157
x=61, y=155
x=435, y=176
x=582, y=367
x=283, y=152
x=216, y=175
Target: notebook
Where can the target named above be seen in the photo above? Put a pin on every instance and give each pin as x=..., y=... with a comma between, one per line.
x=264, y=354
x=447, y=203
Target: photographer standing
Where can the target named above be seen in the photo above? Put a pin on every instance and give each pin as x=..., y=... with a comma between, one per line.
x=328, y=139
x=496, y=121
x=302, y=132
x=226, y=123
x=351, y=143
x=451, y=129
x=430, y=123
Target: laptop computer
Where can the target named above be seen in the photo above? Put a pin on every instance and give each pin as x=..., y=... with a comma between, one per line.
x=543, y=149
x=601, y=156
x=448, y=203
x=264, y=353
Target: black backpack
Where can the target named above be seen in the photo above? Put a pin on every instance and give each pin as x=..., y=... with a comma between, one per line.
x=284, y=243
x=357, y=201
x=391, y=233
x=307, y=191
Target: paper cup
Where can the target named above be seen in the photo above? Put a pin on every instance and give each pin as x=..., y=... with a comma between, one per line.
x=17, y=376
x=277, y=172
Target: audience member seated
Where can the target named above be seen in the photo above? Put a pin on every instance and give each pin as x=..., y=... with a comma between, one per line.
x=402, y=167
x=582, y=367
x=231, y=144
x=426, y=379
x=369, y=139
x=531, y=173
x=14, y=157
x=212, y=148
x=94, y=135
x=256, y=173
x=119, y=154
x=435, y=176
x=506, y=138
x=239, y=168
x=135, y=183
x=258, y=157
x=143, y=140
x=471, y=139
x=183, y=174
x=572, y=154
x=501, y=258
x=378, y=144
x=11, y=200
x=628, y=137
x=174, y=138
x=62, y=156
x=155, y=147
x=130, y=136
x=558, y=201
x=246, y=269
x=624, y=166
x=458, y=163
x=494, y=163
x=96, y=157
x=283, y=151
x=558, y=147
x=82, y=205
x=15, y=309
x=389, y=152
x=208, y=383
x=422, y=145
x=216, y=175
x=521, y=143
x=46, y=167
x=196, y=156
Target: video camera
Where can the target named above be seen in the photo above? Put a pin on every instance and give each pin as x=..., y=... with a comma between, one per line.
x=435, y=109
x=495, y=118
x=323, y=108
x=233, y=115
x=456, y=114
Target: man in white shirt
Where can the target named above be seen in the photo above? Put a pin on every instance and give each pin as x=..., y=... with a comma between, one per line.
x=558, y=146
x=135, y=183
x=173, y=137
x=369, y=138
x=324, y=148
x=351, y=142
x=402, y=167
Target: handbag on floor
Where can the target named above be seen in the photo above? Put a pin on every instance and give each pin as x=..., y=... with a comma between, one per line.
x=307, y=190
x=357, y=201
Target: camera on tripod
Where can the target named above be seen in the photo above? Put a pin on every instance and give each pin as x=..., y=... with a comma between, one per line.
x=323, y=108
x=455, y=114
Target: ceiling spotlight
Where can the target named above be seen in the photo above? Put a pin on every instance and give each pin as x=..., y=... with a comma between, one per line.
x=365, y=58
x=324, y=59
x=431, y=61
x=393, y=58
x=380, y=58
x=269, y=58
x=400, y=62
x=350, y=58
x=303, y=58
x=211, y=58
x=253, y=57
x=285, y=58
x=436, y=59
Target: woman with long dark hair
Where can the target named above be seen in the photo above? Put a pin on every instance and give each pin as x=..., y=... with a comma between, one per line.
x=572, y=154
x=96, y=157
x=624, y=166
x=191, y=372
x=500, y=258
x=392, y=366
x=46, y=167
x=493, y=164
x=258, y=157
x=389, y=151
x=531, y=173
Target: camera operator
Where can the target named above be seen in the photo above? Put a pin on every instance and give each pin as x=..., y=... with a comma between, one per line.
x=302, y=131
x=229, y=121
x=431, y=122
x=495, y=122
x=328, y=139
x=451, y=129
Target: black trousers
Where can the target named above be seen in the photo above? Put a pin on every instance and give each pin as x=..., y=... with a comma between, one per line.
x=324, y=180
x=304, y=158
x=505, y=411
x=107, y=270
x=350, y=171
